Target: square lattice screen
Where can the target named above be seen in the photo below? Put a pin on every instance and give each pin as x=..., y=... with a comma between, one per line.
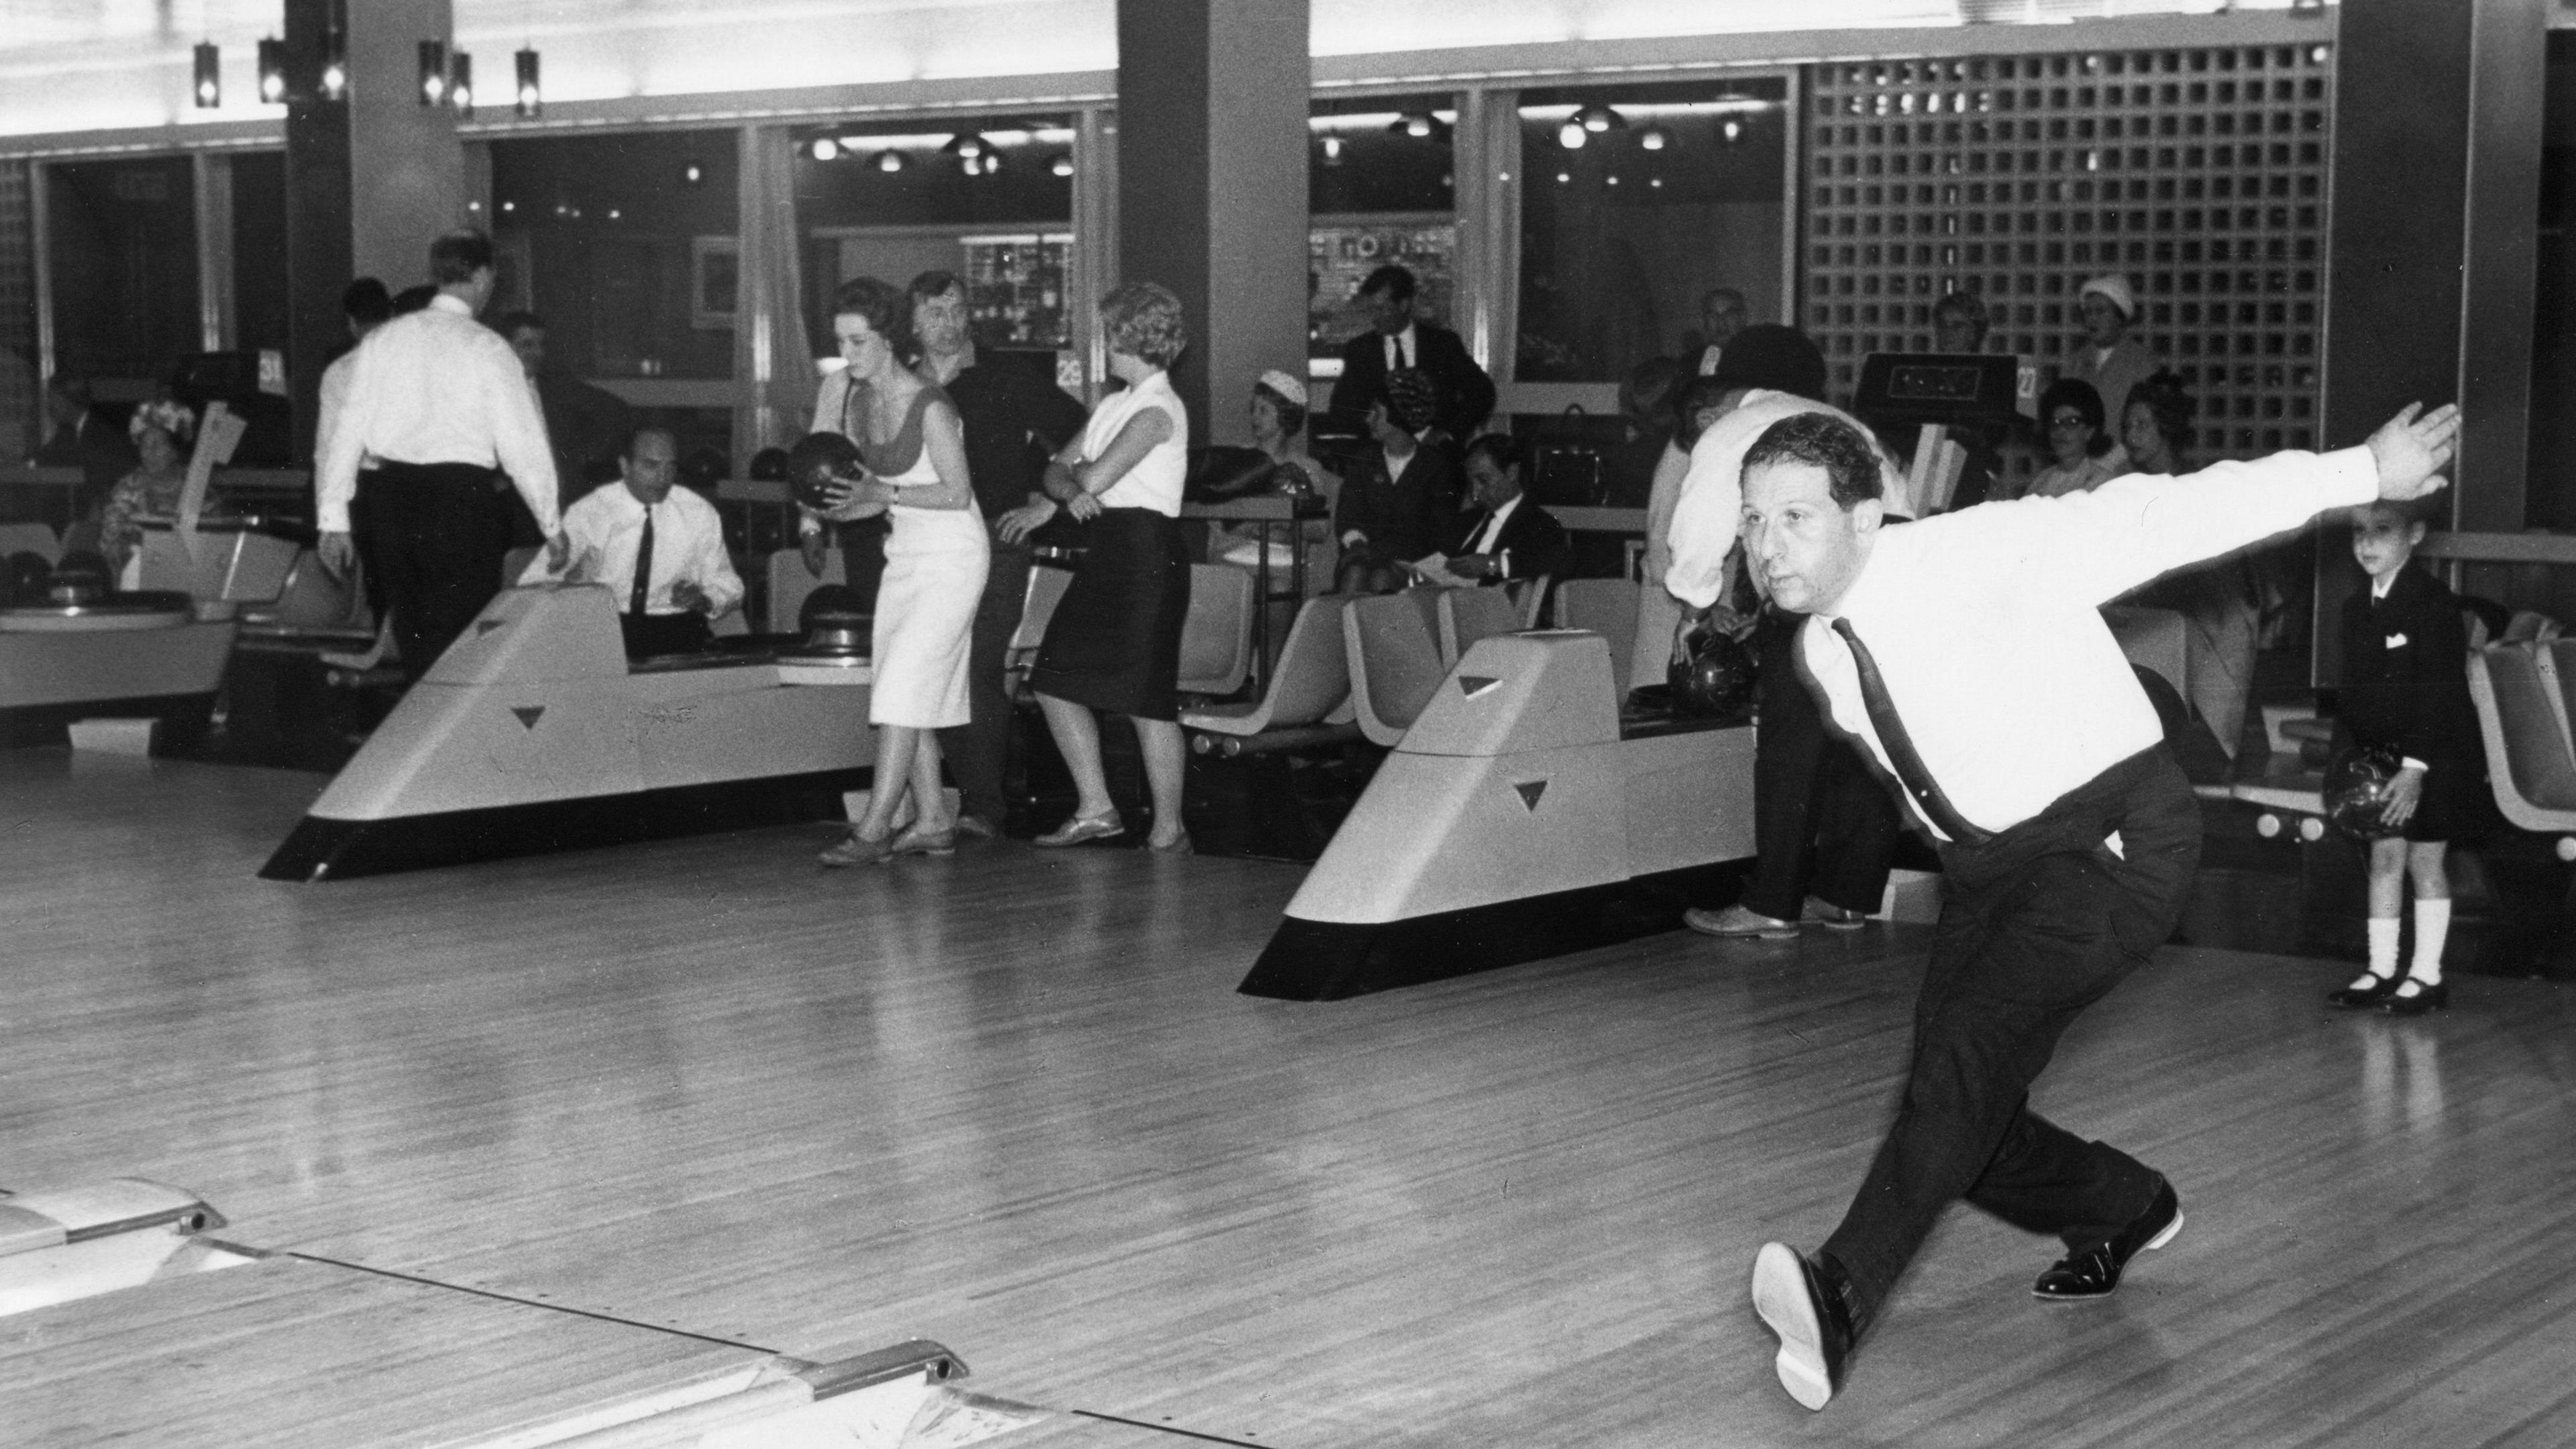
x=2198, y=173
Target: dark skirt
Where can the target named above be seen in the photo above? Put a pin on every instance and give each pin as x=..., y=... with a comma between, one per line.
x=1114, y=642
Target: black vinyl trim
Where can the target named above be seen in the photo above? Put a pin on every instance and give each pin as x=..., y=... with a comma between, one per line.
x=1333, y=961
x=321, y=848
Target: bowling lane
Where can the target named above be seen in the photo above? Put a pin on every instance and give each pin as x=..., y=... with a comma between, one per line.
x=1011, y=1102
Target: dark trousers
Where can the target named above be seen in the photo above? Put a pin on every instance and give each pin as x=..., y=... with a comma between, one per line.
x=978, y=750
x=437, y=543
x=648, y=634
x=2040, y=922
x=1822, y=822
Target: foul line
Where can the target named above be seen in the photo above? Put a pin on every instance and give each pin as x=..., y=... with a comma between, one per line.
x=527, y=1302
x=1168, y=1429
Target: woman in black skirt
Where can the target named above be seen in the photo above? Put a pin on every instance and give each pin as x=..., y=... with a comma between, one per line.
x=1114, y=643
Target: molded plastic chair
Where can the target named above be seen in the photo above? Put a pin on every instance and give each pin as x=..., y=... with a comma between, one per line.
x=1310, y=685
x=1531, y=596
x=1607, y=607
x=1394, y=650
x=789, y=584
x=2528, y=625
x=30, y=538
x=1467, y=615
x=1216, y=638
x=2530, y=762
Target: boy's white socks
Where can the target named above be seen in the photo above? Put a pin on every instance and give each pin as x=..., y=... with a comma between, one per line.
x=2432, y=927
x=2383, y=953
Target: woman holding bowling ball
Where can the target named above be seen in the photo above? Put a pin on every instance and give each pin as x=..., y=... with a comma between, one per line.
x=914, y=453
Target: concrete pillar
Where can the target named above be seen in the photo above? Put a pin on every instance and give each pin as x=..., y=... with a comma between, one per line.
x=1212, y=189
x=372, y=179
x=2436, y=186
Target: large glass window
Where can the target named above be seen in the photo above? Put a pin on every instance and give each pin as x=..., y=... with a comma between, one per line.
x=122, y=242
x=1381, y=188
x=625, y=246
x=987, y=198
x=1637, y=202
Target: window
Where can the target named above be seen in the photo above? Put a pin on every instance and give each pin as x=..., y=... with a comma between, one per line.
x=1381, y=190
x=1638, y=201
x=987, y=198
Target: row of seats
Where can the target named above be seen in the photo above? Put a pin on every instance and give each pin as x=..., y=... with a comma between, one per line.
x=1370, y=663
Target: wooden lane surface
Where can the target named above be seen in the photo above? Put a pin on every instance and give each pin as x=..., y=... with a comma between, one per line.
x=1010, y=1102
x=285, y=1354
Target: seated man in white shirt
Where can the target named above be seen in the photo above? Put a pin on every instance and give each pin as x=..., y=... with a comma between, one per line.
x=658, y=547
x=1967, y=653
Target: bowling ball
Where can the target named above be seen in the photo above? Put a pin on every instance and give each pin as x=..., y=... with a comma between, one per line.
x=769, y=465
x=80, y=578
x=818, y=461
x=28, y=575
x=1714, y=675
x=835, y=621
x=2358, y=784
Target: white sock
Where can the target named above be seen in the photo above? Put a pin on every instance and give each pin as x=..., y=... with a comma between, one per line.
x=2432, y=926
x=2383, y=952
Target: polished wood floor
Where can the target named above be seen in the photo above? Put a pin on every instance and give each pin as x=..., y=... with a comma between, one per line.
x=1010, y=1101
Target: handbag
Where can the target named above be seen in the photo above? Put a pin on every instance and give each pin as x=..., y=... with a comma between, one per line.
x=1568, y=472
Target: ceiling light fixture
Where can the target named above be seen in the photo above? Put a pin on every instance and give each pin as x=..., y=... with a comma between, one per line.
x=460, y=84
x=272, y=71
x=531, y=95
x=209, y=75
x=433, y=72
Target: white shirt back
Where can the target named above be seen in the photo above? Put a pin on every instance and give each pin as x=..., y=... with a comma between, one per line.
x=437, y=386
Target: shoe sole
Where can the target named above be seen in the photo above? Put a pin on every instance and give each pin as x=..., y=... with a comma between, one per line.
x=1758, y=933
x=1780, y=1297
x=2167, y=1235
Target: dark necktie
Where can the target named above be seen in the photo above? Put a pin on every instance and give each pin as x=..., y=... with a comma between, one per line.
x=643, y=569
x=1910, y=771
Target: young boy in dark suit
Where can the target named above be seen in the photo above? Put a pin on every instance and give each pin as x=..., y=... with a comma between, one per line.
x=2405, y=651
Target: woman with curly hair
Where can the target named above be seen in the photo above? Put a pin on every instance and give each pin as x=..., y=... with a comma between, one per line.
x=1114, y=642
x=160, y=430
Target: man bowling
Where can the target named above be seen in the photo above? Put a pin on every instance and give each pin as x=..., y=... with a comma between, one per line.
x=1967, y=652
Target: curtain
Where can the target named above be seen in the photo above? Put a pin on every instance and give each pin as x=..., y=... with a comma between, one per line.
x=773, y=362
x=1489, y=228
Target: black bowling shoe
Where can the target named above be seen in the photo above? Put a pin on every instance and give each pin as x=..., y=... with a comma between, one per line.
x=1808, y=1313
x=2397, y=1002
x=2095, y=1273
x=2362, y=998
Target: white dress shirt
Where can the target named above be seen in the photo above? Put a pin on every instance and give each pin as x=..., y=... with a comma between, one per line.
x=436, y=386
x=1986, y=623
x=1487, y=536
x=1705, y=518
x=607, y=526
x=1403, y=349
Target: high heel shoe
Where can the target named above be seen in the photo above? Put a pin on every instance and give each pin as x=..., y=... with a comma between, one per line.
x=2436, y=997
x=857, y=849
x=919, y=842
x=2362, y=998
x=1081, y=828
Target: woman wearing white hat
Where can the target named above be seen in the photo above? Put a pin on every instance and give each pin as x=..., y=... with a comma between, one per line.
x=2108, y=357
x=1279, y=431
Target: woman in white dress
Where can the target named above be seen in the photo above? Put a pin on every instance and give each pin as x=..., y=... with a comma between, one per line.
x=915, y=450
x=1114, y=641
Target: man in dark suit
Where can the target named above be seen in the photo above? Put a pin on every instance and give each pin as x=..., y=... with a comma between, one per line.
x=1510, y=536
x=1462, y=395
x=586, y=426
x=88, y=437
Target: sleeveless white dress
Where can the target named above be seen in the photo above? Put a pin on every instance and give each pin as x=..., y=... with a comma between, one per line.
x=934, y=576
